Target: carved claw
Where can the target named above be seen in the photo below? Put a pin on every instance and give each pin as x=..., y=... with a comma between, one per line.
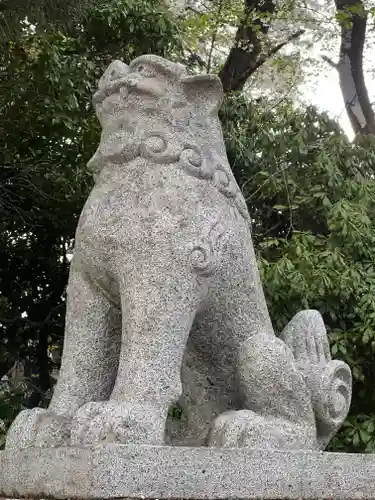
x=109, y=422
x=39, y=428
x=244, y=428
x=329, y=381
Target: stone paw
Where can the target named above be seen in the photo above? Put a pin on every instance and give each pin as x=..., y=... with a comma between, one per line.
x=109, y=422
x=244, y=428
x=38, y=428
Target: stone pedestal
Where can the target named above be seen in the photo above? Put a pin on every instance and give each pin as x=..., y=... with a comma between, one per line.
x=149, y=472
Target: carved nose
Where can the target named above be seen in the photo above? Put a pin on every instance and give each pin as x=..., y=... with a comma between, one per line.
x=118, y=72
x=132, y=82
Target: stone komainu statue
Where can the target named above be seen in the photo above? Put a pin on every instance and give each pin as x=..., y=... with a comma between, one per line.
x=164, y=298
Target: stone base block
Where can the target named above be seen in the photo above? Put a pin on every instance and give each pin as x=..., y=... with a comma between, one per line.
x=156, y=472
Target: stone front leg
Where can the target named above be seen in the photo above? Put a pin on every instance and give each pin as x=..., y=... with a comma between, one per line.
x=89, y=364
x=39, y=428
x=158, y=311
x=91, y=346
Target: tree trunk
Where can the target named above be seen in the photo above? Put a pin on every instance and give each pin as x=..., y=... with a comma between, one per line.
x=244, y=54
x=247, y=53
x=353, y=20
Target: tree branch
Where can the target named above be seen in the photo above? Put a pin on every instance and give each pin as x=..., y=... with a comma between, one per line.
x=194, y=58
x=246, y=56
x=330, y=62
x=263, y=58
x=214, y=35
x=247, y=47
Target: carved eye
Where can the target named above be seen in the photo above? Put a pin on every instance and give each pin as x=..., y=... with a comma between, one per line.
x=145, y=70
x=114, y=75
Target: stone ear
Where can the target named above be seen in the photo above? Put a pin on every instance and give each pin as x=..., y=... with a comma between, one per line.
x=204, y=92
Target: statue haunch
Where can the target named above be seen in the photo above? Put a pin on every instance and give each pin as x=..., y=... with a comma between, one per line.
x=164, y=297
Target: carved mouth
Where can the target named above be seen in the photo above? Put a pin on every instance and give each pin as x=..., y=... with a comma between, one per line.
x=100, y=96
x=128, y=86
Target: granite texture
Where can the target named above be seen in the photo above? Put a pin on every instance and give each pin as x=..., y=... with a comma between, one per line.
x=329, y=381
x=164, y=300
x=139, y=472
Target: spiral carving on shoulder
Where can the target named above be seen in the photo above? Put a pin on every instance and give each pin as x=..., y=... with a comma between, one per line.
x=157, y=147
x=206, y=255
